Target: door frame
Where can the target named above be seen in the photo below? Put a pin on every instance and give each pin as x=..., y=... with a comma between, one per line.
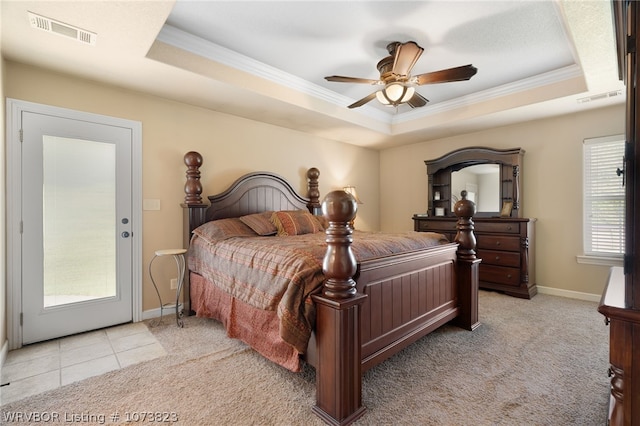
x=14, y=108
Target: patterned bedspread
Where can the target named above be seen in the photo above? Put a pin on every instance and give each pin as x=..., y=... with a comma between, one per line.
x=281, y=273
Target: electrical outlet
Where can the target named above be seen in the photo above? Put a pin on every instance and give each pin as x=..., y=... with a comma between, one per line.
x=174, y=283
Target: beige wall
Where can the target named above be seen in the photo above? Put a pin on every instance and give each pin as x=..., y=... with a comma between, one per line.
x=231, y=147
x=552, y=187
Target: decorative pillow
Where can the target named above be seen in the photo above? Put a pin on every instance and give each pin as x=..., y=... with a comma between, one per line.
x=295, y=222
x=221, y=229
x=260, y=223
x=324, y=222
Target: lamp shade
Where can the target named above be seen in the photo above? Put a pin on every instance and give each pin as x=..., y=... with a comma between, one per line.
x=382, y=98
x=352, y=191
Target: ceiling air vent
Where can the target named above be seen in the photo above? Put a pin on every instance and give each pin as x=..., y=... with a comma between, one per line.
x=600, y=96
x=56, y=27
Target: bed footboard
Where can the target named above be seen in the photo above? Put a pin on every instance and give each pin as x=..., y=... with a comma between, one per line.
x=408, y=296
x=359, y=325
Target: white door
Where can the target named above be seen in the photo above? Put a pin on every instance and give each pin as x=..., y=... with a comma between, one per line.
x=76, y=226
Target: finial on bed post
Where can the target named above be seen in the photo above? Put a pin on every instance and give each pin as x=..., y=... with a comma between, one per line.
x=338, y=340
x=313, y=192
x=339, y=265
x=193, y=187
x=465, y=209
x=467, y=264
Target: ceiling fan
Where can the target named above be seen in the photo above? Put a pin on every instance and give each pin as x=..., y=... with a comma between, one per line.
x=395, y=76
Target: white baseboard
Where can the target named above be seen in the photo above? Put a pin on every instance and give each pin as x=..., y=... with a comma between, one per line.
x=155, y=313
x=569, y=293
x=4, y=352
x=151, y=313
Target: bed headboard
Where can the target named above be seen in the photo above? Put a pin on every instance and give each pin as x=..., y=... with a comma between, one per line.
x=252, y=193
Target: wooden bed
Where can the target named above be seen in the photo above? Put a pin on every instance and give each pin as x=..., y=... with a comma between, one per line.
x=366, y=311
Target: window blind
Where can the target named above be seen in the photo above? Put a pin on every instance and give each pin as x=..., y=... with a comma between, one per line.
x=603, y=196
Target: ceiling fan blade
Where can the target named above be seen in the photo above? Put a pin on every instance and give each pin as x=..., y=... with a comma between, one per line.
x=417, y=100
x=341, y=79
x=464, y=72
x=363, y=101
x=407, y=55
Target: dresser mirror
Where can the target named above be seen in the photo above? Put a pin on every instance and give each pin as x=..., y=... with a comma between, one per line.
x=482, y=183
x=490, y=176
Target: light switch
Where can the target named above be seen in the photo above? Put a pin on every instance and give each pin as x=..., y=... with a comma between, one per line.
x=150, y=204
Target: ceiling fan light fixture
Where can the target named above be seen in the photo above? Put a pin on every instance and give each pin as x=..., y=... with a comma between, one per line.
x=395, y=94
x=399, y=84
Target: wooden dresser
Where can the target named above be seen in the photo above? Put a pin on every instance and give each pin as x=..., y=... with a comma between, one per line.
x=624, y=351
x=620, y=302
x=505, y=245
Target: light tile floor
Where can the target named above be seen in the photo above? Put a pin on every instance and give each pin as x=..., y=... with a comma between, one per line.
x=44, y=366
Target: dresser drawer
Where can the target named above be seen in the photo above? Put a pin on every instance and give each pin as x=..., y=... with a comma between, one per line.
x=497, y=242
x=437, y=226
x=498, y=227
x=499, y=274
x=499, y=258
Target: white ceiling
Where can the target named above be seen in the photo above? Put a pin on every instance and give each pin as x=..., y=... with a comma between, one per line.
x=266, y=60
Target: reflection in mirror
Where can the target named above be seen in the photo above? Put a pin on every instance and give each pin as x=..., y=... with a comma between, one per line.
x=482, y=183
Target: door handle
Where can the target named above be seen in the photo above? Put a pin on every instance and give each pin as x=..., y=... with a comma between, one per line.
x=125, y=234
x=621, y=172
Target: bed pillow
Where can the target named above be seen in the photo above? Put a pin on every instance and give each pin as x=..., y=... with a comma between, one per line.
x=260, y=223
x=221, y=229
x=295, y=222
x=324, y=222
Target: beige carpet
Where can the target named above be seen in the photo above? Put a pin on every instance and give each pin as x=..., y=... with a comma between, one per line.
x=532, y=362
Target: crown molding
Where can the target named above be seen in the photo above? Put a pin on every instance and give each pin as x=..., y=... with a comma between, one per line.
x=214, y=52
x=531, y=83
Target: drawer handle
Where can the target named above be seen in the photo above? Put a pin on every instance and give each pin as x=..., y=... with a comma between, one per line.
x=497, y=257
x=497, y=243
x=509, y=228
x=508, y=275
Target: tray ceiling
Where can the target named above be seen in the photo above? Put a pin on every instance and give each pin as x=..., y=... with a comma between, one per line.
x=266, y=60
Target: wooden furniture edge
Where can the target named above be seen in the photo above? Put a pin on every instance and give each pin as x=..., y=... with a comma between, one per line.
x=624, y=324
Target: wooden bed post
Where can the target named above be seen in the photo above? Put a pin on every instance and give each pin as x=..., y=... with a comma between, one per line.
x=313, y=191
x=338, y=370
x=467, y=264
x=193, y=212
x=194, y=207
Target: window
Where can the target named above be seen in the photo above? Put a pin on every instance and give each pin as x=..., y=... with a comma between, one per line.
x=603, y=197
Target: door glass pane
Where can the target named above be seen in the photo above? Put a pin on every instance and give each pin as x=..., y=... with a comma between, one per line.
x=79, y=220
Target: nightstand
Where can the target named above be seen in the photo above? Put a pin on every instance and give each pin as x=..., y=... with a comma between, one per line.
x=178, y=256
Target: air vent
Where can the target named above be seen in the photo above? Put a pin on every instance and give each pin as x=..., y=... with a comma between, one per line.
x=600, y=96
x=56, y=27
